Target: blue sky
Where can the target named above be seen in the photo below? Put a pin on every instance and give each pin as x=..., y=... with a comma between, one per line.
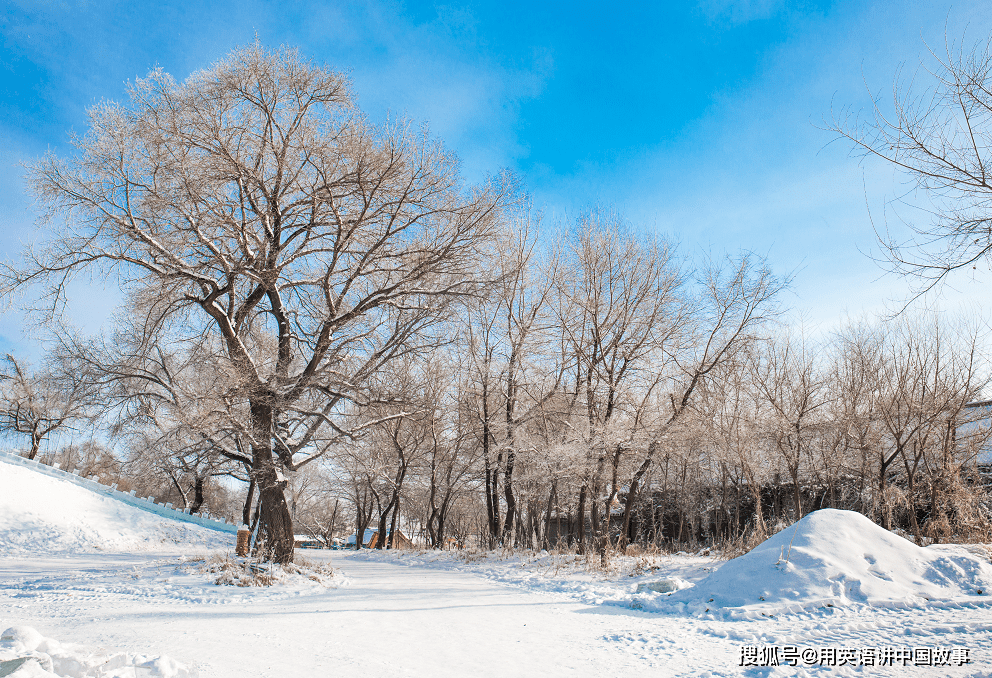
x=697, y=120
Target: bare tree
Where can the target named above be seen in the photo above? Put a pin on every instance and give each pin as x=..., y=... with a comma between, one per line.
x=789, y=380
x=36, y=404
x=925, y=383
x=89, y=458
x=452, y=457
x=940, y=135
x=732, y=407
x=620, y=308
x=509, y=379
x=359, y=476
x=168, y=402
x=735, y=300
x=527, y=381
x=253, y=203
x=315, y=500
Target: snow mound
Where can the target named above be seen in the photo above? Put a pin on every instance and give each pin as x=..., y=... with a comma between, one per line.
x=25, y=653
x=43, y=515
x=834, y=558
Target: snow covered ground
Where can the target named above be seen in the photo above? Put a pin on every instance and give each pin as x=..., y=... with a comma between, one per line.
x=43, y=515
x=93, y=598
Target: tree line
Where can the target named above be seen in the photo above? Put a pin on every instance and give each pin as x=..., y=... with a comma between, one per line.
x=603, y=392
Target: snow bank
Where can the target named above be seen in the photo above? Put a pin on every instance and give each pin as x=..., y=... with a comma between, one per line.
x=43, y=515
x=25, y=653
x=835, y=558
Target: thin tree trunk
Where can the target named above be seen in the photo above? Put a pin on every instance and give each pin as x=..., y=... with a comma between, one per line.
x=546, y=541
x=363, y=516
x=380, y=539
x=582, y=518
x=392, y=527
x=511, y=500
x=246, y=511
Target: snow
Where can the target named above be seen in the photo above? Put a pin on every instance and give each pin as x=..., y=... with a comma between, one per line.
x=25, y=653
x=113, y=591
x=433, y=615
x=579, y=577
x=41, y=514
x=841, y=558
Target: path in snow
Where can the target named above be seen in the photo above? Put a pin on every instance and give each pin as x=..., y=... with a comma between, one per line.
x=389, y=620
x=397, y=620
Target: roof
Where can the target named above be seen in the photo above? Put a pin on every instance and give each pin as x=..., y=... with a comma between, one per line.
x=365, y=539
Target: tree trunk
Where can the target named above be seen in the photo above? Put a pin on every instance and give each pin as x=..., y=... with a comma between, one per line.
x=511, y=500
x=432, y=536
x=197, y=496
x=519, y=533
x=442, y=515
x=492, y=507
x=546, y=541
x=380, y=538
x=392, y=527
x=911, y=486
x=883, y=469
x=328, y=533
x=275, y=528
x=635, y=486
x=604, y=541
x=797, y=497
x=582, y=518
x=246, y=511
x=179, y=488
x=759, y=513
x=594, y=524
x=492, y=477
x=363, y=516
x=35, y=445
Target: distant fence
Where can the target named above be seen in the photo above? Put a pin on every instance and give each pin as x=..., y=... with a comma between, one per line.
x=93, y=485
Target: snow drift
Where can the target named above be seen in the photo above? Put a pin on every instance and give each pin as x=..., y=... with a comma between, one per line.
x=839, y=558
x=43, y=515
x=25, y=653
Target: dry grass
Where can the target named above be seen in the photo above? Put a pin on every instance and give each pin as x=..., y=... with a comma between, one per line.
x=567, y=560
x=237, y=571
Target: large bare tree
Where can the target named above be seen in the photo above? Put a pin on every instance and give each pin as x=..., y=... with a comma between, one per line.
x=254, y=204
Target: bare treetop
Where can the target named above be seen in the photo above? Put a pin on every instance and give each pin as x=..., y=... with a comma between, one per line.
x=939, y=131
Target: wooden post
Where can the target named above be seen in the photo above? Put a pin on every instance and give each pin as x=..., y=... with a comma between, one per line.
x=243, y=535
